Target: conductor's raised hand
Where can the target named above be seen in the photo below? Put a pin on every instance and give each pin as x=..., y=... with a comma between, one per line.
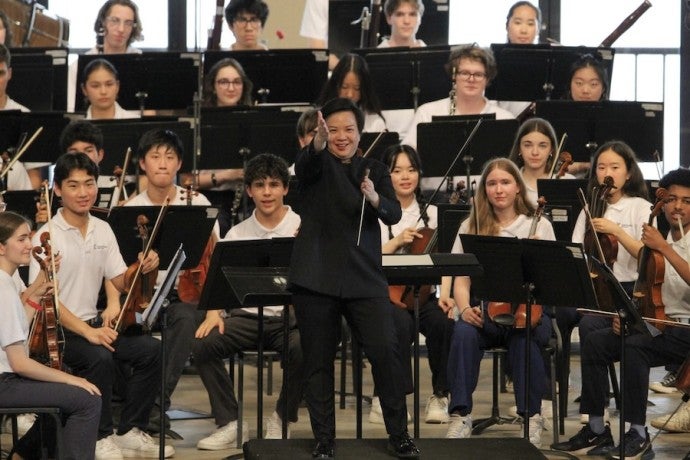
x=321, y=138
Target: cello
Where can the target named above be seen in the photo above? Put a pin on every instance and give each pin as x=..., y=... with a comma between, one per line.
x=650, y=274
x=507, y=314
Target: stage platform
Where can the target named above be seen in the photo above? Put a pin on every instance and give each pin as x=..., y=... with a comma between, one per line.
x=373, y=449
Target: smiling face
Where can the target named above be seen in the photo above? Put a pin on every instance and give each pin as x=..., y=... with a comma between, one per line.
x=17, y=249
x=677, y=206
x=268, y=194
x=343, y=134
x=78, y=192
x=228, y=87
x=535, y=149
x=405, y=177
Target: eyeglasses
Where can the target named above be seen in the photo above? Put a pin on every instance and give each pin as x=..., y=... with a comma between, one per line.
x=465, y=75
x=225, y=83
x=244, y=20
x=116, y=22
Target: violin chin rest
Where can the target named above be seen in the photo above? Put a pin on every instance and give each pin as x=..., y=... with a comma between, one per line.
x=505, y=319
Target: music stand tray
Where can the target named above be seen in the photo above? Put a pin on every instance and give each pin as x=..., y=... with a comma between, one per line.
x=150, y=315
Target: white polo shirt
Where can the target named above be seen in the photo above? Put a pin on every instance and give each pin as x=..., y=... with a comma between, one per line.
x=518, y=229
x=86, y=261
x=14, y=326
x=675, y=292
x=410, y=218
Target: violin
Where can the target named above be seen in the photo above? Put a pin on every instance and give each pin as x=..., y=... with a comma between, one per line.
x=602, y=246
x=403, y=296
x=515, y=315
x=192, y=280
x=650, y=273
x=565, y=159
x=46, y=338
x=140, y=284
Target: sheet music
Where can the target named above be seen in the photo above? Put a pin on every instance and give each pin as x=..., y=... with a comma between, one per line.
x=407, y=260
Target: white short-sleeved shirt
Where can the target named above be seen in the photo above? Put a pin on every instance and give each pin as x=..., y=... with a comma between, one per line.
x=532, y=195
x=385, y=43
x=410, y=218
x=251, y=229
x=518, y=229
x=675, y=292
x=441, y=107
x=179, y=199
x=315, y=20
x=86, y=261
x=14, y=105
x=629, y=213
x=374, y=123
x=18, y=178
x=14, y=326
x=120, y=113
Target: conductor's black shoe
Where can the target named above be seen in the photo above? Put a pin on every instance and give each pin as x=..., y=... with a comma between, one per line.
x=587, y=442
x=636, y=447
x=324, y=449
x=402, y=446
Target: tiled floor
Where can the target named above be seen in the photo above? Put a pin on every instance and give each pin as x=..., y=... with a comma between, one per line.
x=191, y=395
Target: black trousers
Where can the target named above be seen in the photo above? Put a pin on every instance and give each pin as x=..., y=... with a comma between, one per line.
x=97, y=365
x=371, y=322
x=641, y=353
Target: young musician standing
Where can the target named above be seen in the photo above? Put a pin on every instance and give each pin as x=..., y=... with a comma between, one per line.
x=523, y=22
x=24, y=381
x=406, y=170
x=336, y=270
x=500, y=209
x=221, y=336
x=246, y=19
x=404, y=17
x=642, y=352
x=90, y=253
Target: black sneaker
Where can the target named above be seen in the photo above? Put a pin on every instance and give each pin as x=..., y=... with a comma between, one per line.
x=402, y=446
x=636, y=447
x=585, y=441
x=324, y=449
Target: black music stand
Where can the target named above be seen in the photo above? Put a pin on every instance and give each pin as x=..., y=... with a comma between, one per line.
x=418, y=270
x=44, y=149
x=533, y=72
x=150, y=80
x=252, y=273
x=420, y=76
x=450, y=216
x=550, y=273
x=562, y=204
x=281, y=75
x=39, y=78
x=438, y=144
x=118, y=135
x=385, y=140
x=590, y=124
x=191, y=225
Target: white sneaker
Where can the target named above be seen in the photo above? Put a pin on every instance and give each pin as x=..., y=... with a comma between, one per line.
x=376, y=413
x=460, y=427
x=546, y=413
x=678, y=423
x=107, y=450
x=24, y=423
x=667, y=385
x=437, y=410
x=584, y=418
x=136, y=443
x=224, y=437
x=536, y=427
x=274, y=427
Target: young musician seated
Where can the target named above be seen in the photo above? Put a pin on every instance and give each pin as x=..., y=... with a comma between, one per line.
x=26, y=382
x=160, y=155
x=500, y=209
x=642, y=352
x=221, y=336
x=404, y=17
x=90, y=253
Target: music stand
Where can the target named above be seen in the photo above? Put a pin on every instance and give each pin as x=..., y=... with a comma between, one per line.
x=562, y=204
x=417, y=270
x=533, y=72
x=39, y=78
x=118, y=135
x=387, y=139
x=438, y=143
x=550, y=273
x=591, y=124
x=22, y=202
x=150, y=80
x=159, y=305
x=420, y=75
x=191, y=225
x=281, y=75
x=252, y=273
x=450, y=216
x=44, y=149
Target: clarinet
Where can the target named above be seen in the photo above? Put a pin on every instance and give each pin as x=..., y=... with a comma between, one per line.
x=100, y=39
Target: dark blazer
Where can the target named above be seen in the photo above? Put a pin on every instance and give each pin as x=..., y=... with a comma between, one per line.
x=325, y=257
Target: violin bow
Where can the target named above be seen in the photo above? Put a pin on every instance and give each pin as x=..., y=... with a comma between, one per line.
x=585, y=208
x=121, y=181
x=557, y=154
x=21, y=151
x=53, y=269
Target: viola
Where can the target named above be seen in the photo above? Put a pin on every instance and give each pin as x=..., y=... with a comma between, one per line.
x=140, y=284
x=515, y=315
x=650, y=274
x=403, y=296
x=192, y=280
x=46, y=339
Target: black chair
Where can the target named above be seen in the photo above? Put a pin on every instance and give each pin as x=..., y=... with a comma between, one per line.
x=54, y=412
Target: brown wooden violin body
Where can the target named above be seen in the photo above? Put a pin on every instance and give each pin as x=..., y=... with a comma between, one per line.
x=403, y=296
x=45, y=337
